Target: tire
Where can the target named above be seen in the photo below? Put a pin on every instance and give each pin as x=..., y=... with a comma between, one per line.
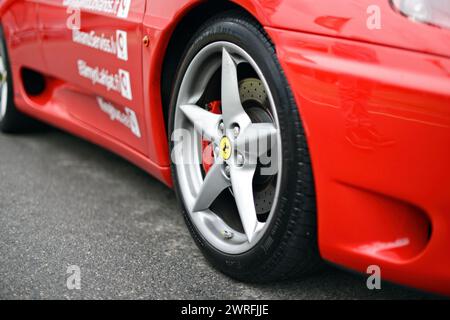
x=11, y=119
x=287, y=247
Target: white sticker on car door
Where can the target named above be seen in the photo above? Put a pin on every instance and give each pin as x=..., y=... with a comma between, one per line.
x=122, y=45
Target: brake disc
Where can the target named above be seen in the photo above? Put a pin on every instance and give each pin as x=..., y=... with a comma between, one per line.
x=256, y=103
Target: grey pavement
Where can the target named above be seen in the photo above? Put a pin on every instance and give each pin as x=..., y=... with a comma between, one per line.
x=64, y=201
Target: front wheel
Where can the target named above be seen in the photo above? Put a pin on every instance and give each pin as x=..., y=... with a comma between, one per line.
x=11, y=119
x=240, y=162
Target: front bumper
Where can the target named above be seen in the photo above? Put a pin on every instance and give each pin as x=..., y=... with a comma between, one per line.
x=378, y=126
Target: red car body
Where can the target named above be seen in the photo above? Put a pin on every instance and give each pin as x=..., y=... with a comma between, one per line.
x=375, y=105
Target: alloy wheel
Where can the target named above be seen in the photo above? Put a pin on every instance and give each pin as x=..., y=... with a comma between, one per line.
x=3, y=88
x=245, y=131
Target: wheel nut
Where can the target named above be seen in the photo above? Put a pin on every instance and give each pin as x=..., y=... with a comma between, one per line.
x=240, y=159
x=221, y=127
x=236, y=131
x=227, y=170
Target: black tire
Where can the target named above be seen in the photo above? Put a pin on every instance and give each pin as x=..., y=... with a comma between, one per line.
x=13, y=120
x=289, y=248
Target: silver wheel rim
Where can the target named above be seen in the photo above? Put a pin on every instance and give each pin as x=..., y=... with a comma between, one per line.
x=232, y=135
x=3, y=88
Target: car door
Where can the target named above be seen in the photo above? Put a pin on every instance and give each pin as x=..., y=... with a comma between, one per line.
x=95, y=48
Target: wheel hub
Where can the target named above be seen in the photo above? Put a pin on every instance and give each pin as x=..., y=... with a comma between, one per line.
x=225, y=148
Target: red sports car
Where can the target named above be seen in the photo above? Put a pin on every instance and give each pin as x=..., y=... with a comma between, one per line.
x=293, y=131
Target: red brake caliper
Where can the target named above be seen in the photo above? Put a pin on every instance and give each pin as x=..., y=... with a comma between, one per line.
x=207, y=146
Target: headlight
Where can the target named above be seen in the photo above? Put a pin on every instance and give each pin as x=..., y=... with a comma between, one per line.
x=433, y=12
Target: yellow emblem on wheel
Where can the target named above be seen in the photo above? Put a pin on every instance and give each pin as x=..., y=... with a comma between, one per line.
x=225, y=148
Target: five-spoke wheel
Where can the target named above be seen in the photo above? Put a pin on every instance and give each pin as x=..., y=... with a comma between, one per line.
x=238, y=143
x=3, y=87
x=240, y=162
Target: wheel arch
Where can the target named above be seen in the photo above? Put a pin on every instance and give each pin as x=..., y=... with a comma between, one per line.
x=187, y=24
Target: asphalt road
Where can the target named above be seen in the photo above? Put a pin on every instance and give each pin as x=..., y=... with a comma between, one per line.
x=64, y=201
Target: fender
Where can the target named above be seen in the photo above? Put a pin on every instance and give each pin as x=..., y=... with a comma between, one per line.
x=159, y=23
